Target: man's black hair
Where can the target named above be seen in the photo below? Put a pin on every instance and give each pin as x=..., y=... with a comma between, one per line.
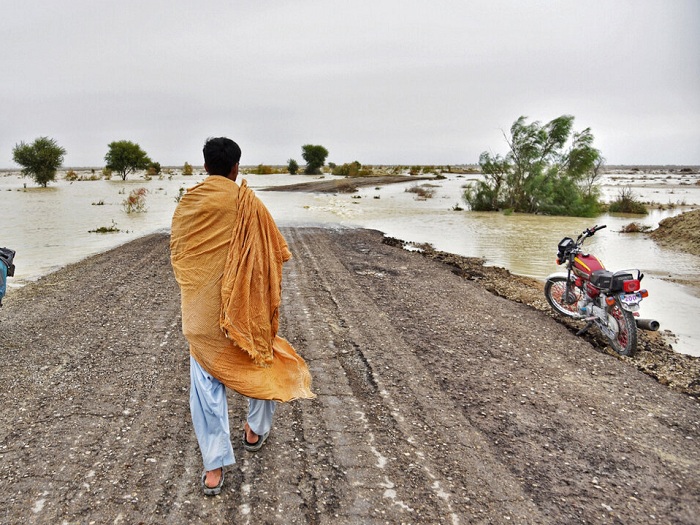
x=221, y=155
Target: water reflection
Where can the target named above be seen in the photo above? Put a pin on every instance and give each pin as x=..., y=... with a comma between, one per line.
x=49, y=228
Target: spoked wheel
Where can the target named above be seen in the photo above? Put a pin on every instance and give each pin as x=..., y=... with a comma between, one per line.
x=555, y=290
x=625, y=340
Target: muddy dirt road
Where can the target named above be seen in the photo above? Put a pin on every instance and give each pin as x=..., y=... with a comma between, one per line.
x=437, y=403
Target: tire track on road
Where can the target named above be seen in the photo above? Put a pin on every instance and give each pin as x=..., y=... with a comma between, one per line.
x=416, y=472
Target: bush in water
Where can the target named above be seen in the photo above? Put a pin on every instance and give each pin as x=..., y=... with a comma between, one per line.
x=136, y=201
x=549, y=169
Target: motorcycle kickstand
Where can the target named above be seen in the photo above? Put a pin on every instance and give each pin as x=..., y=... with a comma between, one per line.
x=585, y=328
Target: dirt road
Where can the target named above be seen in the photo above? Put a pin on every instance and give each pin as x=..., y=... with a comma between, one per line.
x=437, y=403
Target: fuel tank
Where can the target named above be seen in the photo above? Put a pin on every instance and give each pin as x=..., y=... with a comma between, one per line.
x=585, y=264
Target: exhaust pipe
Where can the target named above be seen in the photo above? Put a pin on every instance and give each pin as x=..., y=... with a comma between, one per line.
x=648, y=324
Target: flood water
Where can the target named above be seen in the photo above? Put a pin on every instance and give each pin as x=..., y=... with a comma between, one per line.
x=49, y=228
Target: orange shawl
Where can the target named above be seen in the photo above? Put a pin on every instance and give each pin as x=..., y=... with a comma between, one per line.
x=227, y=256
x=252, y=283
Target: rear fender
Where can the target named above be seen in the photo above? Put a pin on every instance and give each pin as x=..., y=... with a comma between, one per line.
x=562, y=275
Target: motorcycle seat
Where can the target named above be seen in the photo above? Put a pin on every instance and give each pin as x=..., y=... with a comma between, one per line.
x=602, y=279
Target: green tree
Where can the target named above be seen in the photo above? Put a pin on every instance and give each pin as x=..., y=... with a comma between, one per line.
x=40, y=159
x=315, y=157
x=154, y=168
x=126, y=157
x=549, y=169
x=292, y=166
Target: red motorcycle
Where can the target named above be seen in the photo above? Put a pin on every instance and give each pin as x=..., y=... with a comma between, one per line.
x=587, y=291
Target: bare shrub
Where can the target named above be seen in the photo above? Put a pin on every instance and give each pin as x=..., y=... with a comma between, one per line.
x=422, y=192
x=627, y=202
x=136, y=201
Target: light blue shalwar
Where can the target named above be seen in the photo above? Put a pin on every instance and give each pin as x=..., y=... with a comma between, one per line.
x=209, y=410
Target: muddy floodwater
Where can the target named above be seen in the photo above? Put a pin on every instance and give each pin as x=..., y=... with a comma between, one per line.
x=51, y=227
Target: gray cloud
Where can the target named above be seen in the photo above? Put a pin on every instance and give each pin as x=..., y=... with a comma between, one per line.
x=375, y=81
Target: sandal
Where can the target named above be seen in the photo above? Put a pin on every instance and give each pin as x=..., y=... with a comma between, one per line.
x=212, y=491
x=254, y=447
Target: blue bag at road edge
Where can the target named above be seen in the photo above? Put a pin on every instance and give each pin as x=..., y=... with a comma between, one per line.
x=7, y=269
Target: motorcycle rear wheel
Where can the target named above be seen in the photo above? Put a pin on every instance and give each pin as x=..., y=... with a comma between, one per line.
x=555, y=292
x=625, y=341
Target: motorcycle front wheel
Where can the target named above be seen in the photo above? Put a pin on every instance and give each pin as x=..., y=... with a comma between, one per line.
x=625, y=340
x=556, y=294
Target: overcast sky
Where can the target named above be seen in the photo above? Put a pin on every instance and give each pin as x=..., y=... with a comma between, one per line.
x=378, y=81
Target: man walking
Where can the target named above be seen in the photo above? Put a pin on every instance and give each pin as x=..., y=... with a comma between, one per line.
x=227, y=255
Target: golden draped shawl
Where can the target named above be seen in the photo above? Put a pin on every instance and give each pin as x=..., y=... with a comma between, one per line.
x=227, y=255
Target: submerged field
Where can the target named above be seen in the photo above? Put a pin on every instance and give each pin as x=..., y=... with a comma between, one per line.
x=55, y=226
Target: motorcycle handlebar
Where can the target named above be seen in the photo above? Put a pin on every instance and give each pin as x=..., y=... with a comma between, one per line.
x=595, y=228
x=588, y=232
